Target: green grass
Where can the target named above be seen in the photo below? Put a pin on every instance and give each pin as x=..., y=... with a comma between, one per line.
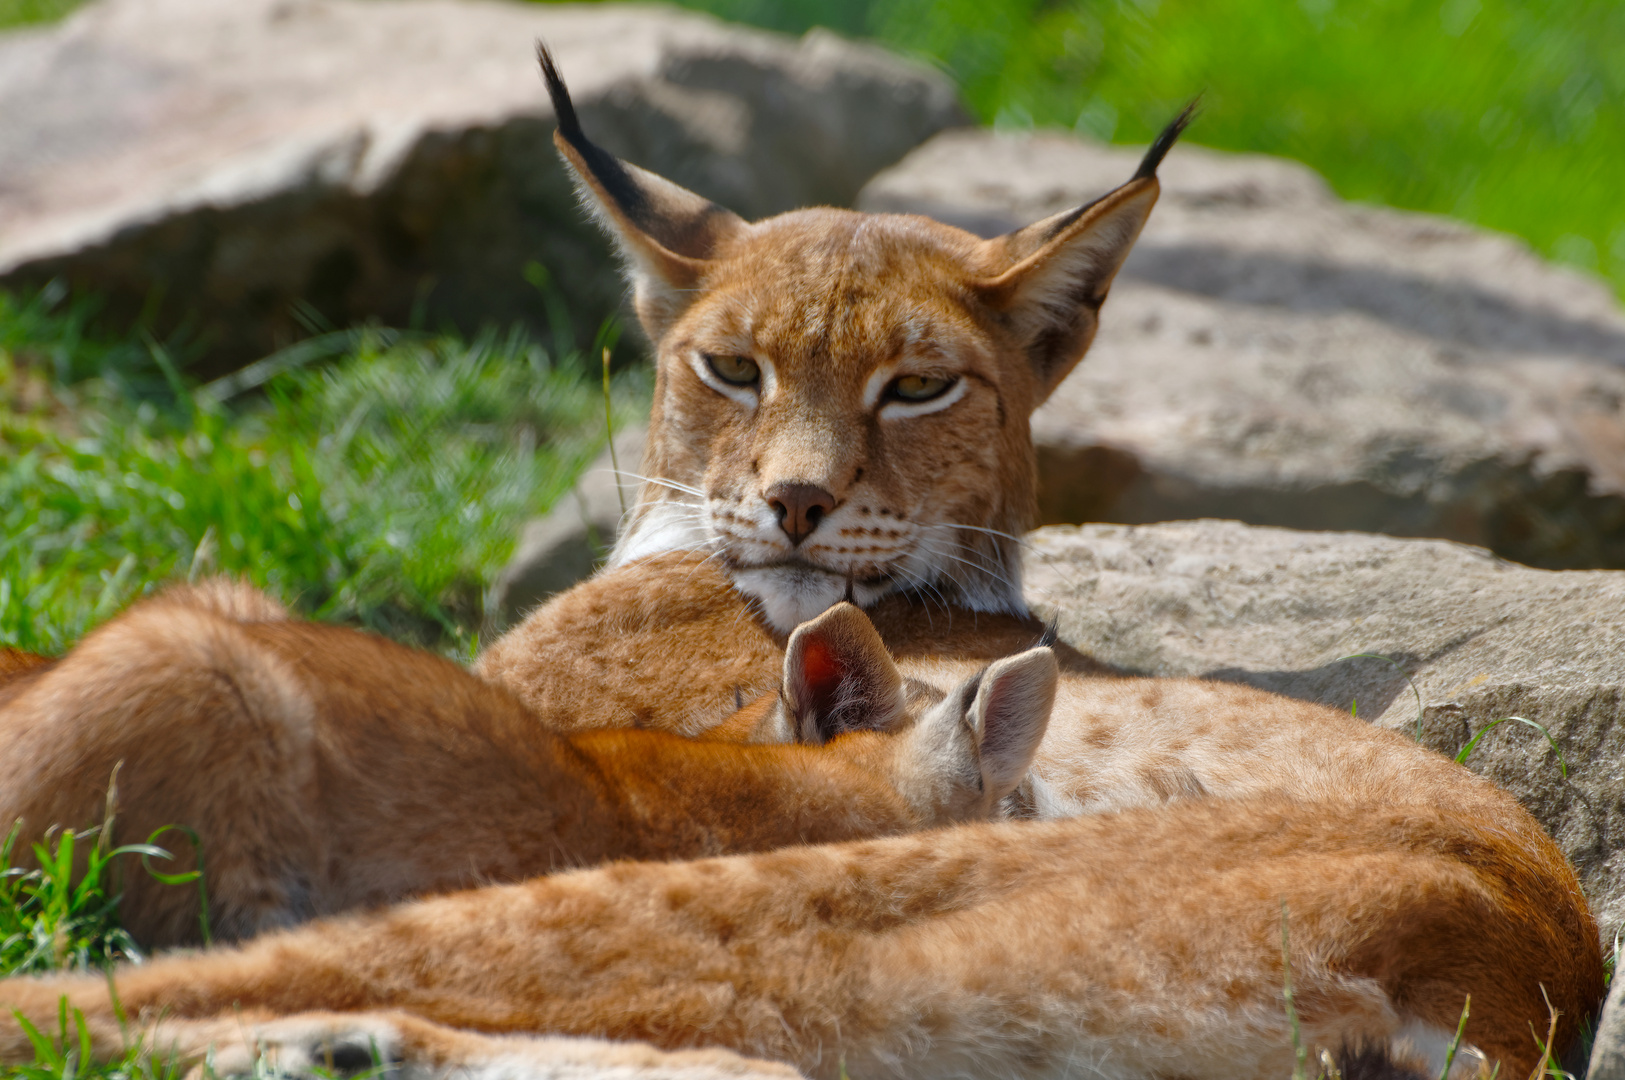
x=1507, y=113
x=51, y=919
x=379, y=480
x=27, y=12
x=61, y=914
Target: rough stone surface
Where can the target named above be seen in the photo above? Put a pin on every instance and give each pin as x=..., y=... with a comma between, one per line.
x=1608, y=1050
x=565, y=545
x=1275, y=355
x=254, y=162
x=1479, y=637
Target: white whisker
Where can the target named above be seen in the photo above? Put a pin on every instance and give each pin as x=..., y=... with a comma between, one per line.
x=1060, y=567
x=988, y=570
x=977, y=528
x=659, y=481
x=912, y=581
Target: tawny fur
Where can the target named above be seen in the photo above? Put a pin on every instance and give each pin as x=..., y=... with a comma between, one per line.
x=327, y=769
x=666, y=642
x=1140, y=943
x=1139, y=940
x=1118, y=742
x=838, y=312
x=831, y=308
x=15, y=663
x=1390, y=831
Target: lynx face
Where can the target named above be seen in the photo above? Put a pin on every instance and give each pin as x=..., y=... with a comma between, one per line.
x=842, y=399
x=835, y=427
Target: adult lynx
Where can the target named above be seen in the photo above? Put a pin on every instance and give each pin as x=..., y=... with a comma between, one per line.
x=837, y=393
x=842, y=399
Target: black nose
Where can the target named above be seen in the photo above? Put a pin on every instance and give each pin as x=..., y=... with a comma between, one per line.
x=800, y=508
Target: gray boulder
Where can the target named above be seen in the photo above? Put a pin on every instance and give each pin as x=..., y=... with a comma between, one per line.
x=570, y=541
x=1479, y=638
x=260, y=167
x=1276, y=355
x=1608, y=1049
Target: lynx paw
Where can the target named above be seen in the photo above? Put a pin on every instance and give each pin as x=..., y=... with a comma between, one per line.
x=317, y=1045
x=398, y=1046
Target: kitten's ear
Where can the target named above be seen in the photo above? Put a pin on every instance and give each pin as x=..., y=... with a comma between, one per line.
x=666, y=233
x=1009, y=716
x=1059, y=270
x=838, y=677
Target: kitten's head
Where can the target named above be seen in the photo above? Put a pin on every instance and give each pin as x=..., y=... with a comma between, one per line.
x=955, y=751
x=842, y=399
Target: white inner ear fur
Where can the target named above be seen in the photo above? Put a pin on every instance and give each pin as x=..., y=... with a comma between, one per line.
x=1049, y=294
x=1010, y=715
x=868, y=689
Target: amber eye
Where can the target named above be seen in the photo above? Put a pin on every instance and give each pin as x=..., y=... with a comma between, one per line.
x=738, y=370
x=918, y=387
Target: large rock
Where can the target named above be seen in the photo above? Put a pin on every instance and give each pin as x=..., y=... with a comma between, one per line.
x=572, y=539
x=1275, y=355
x=1478, y=637
x=263, y=166
x=1608, y=1050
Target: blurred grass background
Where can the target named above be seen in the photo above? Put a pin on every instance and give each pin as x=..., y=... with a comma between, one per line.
x=381, y=478
x=1506, y=113
x=376, y=477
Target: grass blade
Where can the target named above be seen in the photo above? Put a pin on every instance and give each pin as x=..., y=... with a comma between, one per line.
x=1391, y=662
x=1300, y=1055
x=1562, y=765
x=1455, y=1043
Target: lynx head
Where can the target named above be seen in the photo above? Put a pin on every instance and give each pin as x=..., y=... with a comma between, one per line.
x=963, y=740
x=842, y=399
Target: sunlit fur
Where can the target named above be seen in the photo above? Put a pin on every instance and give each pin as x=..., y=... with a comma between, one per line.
x=1131, y=945
x=1139, y=937
x=1117, y=744
x=833, y=306
x=327, y=769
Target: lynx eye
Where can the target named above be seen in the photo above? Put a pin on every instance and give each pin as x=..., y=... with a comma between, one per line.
x=737, y=370
x=918, y=387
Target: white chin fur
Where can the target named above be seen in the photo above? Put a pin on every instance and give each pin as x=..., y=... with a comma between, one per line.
x=790, y=595
x=665, y=526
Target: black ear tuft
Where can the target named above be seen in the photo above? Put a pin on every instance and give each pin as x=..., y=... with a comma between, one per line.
x=1165, y=141
x=1051, y=635
x=605, y=167
x=563, y=107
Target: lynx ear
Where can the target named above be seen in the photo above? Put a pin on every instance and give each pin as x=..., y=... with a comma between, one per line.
x=667, y=234
x=1060, y=269
x=1010, y=714
x=839, y=677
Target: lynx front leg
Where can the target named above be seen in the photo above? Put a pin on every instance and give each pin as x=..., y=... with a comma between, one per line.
x=405, y=1047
